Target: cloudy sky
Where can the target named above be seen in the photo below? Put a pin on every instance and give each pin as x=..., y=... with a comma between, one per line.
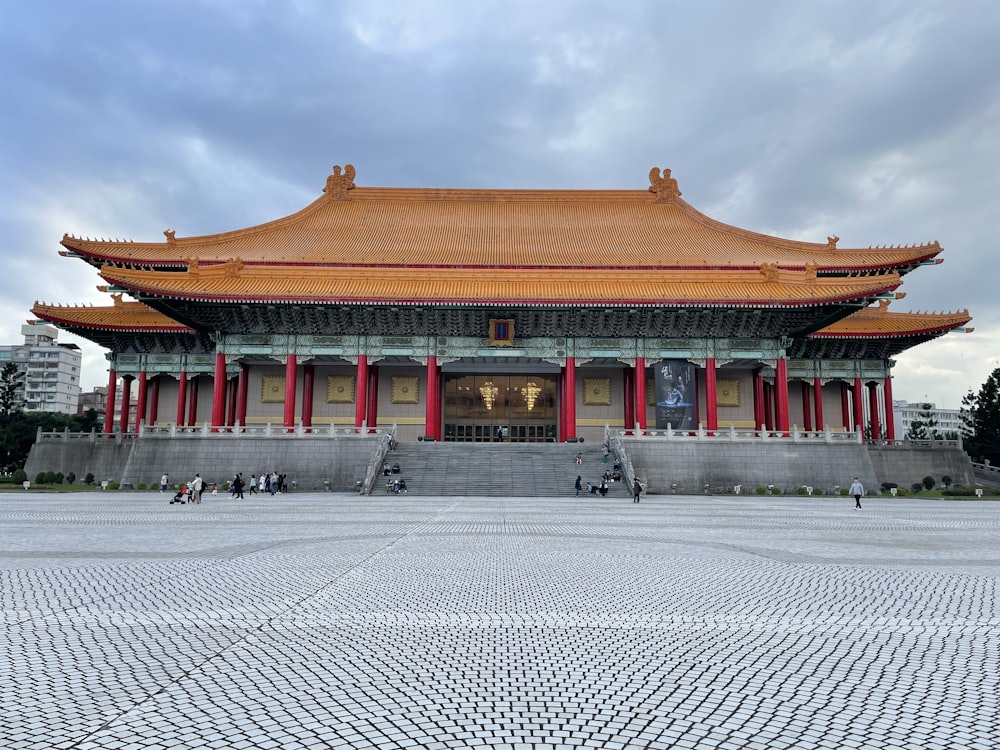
x=875, y=121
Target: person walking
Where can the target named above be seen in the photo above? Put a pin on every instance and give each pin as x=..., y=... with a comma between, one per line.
x=253, y=484
x=857, y=489
x=636, y=489
x=164, y=481
x=579, y=484
x=196, y=486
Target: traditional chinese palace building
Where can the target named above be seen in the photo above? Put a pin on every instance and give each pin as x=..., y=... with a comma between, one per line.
x=522, y=315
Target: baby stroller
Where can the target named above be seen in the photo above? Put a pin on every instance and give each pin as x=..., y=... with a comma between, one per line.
x=181, y=496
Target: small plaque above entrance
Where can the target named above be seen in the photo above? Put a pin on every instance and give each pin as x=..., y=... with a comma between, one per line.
x=502, y=332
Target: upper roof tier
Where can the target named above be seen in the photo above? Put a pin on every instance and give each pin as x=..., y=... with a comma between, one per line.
x=545, y=229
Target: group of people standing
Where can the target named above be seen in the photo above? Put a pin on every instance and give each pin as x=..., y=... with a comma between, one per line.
x=274, y=483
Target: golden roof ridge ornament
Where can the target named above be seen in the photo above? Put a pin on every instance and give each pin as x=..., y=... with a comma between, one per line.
x=170, y=235
x=831, y=242
x=664, y=186
x=338, y=184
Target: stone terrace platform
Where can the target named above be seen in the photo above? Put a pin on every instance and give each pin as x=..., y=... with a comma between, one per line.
x=313, y=621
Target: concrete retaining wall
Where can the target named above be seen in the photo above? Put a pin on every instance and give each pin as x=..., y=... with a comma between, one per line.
x=907, y=466
x=722, y=465
x=310, y=462
x=105, y=458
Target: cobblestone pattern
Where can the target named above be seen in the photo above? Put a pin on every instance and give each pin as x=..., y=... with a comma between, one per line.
x=338, y=621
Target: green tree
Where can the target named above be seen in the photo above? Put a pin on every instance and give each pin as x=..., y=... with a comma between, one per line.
x=10, y=383
x=981, y=420
x=924, y=427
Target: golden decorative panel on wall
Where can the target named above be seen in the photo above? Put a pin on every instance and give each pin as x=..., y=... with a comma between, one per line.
x=597, y=391
x=404, y=390
x=727, y=393
x=272, y=389
x=340, y=389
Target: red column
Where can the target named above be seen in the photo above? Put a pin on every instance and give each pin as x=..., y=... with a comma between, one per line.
x=230, y=402
x=140, y=407
x=628, y=393
x=781, y=393
x=307, y=395
x=818, y=399
x=361, y=390
x=219, y=392
x=181, y=398
x=759, y=412
x=193, y=402
x=570, y=396
x=432, y=405
x=873, y=411
x=241, y=396
x=711, y=396
x=859, y=411
x=890, y=420
x=560, y=390
x=291, y=375
x=373, y=396
x=807, y=417
x=640, y=392
x=768, y=405
x=126, y=402
x=109, y=406
x=845, y=406
x=154, y=400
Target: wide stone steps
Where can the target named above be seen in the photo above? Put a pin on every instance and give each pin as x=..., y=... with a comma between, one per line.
x=497, y=469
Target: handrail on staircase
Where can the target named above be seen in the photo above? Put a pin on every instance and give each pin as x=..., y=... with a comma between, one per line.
x=382, y=449
x=615, y=446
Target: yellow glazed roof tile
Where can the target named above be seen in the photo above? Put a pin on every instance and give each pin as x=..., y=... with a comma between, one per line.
x=122, y=316
x=403, y=227
x=878, y=322
x=767, y=287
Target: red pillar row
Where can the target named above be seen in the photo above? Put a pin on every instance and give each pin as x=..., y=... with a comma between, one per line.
x=291, y=374
x=628, y=415
x=181, y=397
x=711, y=396
x=640, y=392
x=109, y=405
x=818, y=398
x=569, y=394
x=126, y=403
x=873, y=411
x=140, y=408
x=219, y=392
x=859, y=411
x=361, y=390
x=241, y=397
x=781, y=393
x=307, y=395
x=193, y=402
x=373, y=396
x=807, y=417
x=890, y=423
x=154, y=400
x=432, y=413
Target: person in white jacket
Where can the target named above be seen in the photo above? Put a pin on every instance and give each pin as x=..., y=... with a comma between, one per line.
x=857, y=489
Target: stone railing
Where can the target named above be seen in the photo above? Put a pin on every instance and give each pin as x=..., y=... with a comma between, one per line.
x=225, y=431
x=734, y=435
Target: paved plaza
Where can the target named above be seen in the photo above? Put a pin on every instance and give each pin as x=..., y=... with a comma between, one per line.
x=325, y=620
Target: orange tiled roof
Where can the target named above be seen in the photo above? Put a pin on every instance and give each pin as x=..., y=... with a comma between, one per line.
x=763, y=287
x=401, y=227
x=122, y=316
x=878, y=322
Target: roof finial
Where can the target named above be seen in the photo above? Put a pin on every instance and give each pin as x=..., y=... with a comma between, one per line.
x=665, y=187
x=831, y=242
x=338, y=184
x=169, y=234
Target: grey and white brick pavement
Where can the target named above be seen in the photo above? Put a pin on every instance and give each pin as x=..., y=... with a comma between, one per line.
x=339, y=621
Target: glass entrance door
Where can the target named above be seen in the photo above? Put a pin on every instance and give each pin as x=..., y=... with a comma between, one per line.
x=500, y=408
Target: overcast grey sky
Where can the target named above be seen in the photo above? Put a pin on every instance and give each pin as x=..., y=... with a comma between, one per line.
x=875, y=121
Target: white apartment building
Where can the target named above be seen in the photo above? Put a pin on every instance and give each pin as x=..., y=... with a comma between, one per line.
x=905, y=413
x=51, y=371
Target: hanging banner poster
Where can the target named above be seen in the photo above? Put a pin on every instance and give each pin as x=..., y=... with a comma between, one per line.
x=675, y=385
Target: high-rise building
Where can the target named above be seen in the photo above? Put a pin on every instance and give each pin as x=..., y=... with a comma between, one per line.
x=50, y=371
